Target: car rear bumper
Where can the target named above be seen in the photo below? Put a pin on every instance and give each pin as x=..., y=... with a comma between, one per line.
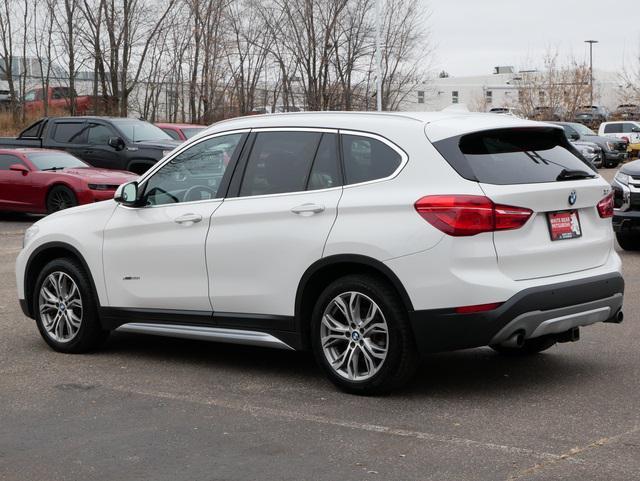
x=536, y=311
x=624, y=221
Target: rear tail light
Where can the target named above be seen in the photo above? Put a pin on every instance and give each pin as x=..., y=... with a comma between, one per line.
x=605, y=206
x=467, y=215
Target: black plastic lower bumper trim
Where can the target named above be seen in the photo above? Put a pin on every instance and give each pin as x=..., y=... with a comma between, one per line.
x=445, y=330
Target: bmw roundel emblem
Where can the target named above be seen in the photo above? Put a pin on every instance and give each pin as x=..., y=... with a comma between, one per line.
x=573, y=197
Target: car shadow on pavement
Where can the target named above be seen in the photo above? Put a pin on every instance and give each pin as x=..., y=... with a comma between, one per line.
x=20, y=217
x=475, y=372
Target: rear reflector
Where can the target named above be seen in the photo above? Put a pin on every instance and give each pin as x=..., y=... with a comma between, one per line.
x=478, y=308
x=605, y=206
x=467, y=215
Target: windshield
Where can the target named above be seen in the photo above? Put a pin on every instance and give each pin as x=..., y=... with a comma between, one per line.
x=191, y=131
x=140, y=131
x=583, y=129
x=54, y=160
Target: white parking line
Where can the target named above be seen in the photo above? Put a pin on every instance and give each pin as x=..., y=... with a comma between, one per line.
x=297, y=416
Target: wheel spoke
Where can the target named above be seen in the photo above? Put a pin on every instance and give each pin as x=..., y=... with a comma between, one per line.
x=354, y=308
x=373, y=349
x=371, y=314
x=377, y=328
x=333, y=325
x=352, y=363
x=342, y=307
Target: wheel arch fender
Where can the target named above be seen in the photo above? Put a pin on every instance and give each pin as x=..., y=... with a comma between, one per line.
x=325, y=270
x=40, y=257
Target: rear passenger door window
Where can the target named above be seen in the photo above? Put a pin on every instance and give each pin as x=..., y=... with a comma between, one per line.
x=70, y=133
x=366, y=159
x=279, y=162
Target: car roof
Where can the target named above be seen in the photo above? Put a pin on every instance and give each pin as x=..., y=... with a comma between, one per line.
x=440, y=124
x=179, y=126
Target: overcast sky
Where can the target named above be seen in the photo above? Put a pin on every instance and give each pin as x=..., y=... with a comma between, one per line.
x=473, y=36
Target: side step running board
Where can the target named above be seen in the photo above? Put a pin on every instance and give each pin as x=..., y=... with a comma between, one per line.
x=204, y=333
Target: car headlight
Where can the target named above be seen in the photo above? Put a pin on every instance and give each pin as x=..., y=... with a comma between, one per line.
x=29, y=234
x=99, y=187
x=622, y=178
x=611, y=146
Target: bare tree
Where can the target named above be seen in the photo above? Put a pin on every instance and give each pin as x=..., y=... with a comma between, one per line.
x=6, y=39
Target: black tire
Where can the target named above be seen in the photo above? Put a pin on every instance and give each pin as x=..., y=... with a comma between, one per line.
x=90, y=334
x=628, y=241
x=60, y=198
x=530, y=346
x=402, y=357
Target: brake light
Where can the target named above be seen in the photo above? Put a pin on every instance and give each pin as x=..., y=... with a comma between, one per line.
x=605, y=206
x=467, y=215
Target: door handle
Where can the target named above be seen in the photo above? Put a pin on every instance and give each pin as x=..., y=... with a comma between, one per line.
x=188, y=219
x=308, y=209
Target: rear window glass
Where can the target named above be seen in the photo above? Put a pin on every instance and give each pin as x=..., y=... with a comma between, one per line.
x=613, y=128
x=512, y=156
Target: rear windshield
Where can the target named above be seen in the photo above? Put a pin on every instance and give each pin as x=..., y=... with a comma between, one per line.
x=513, y=156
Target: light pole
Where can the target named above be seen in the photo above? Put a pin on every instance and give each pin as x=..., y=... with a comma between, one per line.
x=591, y=42
x=378, y=56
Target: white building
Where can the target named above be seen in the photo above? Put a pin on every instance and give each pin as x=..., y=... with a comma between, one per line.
x=499, y=89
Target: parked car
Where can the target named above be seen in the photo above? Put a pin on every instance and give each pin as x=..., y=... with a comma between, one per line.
x=590, y=151
x=548, y=113
x=591, y=115
x=46, y=181
x=5, y=100
x=330, y=232
x=628, y=131
x=107, y=142
x=626, y=112
x=180, y=131
x=59, y=98
x=614, y=151
x=626, y=214
x=507, y=111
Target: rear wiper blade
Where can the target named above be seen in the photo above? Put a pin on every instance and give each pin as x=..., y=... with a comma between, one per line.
x=570, y=174
x=54, y=168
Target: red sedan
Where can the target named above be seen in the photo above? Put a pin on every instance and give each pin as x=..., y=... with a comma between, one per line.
x=181, y=131
x=45, y=181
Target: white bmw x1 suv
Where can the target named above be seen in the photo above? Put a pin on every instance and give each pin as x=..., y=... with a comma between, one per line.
x=368, y=238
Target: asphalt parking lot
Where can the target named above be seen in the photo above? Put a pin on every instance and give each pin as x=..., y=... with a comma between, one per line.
x=162, y=409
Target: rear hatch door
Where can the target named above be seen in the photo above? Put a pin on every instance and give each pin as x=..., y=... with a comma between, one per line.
x=537, y=168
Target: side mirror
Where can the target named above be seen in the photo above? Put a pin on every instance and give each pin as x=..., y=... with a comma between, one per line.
x=116, y=142
x=575, y=136
x=127, y=194
x=19, y=168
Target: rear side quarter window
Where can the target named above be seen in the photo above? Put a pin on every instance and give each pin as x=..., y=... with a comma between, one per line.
x=366, y=159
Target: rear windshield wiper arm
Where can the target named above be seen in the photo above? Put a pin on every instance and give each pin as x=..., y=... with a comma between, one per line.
x=570, y=174
x=54, y=168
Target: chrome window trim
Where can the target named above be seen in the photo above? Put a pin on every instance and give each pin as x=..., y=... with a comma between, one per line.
x=403, y=156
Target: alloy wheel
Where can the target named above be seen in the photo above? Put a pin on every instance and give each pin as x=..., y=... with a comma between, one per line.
x=354, y=336
x=60, y=307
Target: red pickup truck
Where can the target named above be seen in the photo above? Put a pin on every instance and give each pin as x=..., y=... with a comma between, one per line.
x=59, y=98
